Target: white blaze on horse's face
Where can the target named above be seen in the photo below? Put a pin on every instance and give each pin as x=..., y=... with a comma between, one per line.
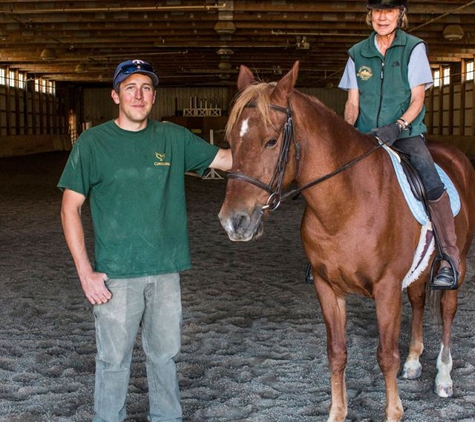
x=244, y=127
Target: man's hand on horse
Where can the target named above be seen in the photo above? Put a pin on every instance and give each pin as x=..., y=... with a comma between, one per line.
x=389, y=133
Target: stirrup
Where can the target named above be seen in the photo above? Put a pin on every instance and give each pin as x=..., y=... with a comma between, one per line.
x=433, y=285
x=308, y=274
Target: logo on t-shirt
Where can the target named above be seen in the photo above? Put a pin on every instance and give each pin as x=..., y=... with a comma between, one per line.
x=161, y=160
x=365, y=73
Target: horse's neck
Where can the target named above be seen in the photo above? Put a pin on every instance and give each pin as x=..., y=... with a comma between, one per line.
x=346, y=163
x=327, y=142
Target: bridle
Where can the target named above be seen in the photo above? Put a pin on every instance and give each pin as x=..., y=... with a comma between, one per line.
x=288, y=135
x=275, y=197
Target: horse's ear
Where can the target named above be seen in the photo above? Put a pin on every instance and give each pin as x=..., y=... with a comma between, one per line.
x=245, y=78
x=285, y=86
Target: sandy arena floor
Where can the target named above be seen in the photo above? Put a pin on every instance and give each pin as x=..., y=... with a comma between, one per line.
x=254, y=345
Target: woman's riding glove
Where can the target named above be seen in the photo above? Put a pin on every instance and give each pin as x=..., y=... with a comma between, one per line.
x=389, y=133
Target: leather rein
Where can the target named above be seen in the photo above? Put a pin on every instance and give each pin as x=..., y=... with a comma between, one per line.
x=288, y=135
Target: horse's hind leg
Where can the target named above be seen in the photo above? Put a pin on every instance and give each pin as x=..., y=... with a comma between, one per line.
x=412, y=367
x=443, y=382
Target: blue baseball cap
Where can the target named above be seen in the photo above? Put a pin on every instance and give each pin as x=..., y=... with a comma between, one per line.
x=129, y=67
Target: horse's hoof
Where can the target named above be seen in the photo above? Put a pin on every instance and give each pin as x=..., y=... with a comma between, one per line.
x=336, y=417
x=444, y=390
x=411, y=371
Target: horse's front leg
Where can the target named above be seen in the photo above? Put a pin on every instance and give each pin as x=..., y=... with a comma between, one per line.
x=412, y=367
x=388, y=310
x=443, y=382
x=334, y=313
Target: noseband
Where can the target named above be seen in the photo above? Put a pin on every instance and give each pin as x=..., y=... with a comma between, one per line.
x=275, y=197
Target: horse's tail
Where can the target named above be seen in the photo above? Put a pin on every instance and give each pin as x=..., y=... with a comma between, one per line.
x=433, y=298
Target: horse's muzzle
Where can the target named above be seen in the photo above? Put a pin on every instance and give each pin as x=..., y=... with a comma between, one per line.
x=242, y=226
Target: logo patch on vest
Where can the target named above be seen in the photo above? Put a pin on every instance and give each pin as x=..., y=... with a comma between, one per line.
x=161, y=160
x=365, y=73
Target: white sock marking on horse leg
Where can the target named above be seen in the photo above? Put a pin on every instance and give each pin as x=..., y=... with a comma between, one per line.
x=412, y=369
x=443, y=381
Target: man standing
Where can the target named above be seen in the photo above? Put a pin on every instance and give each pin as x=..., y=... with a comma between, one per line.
x=132, y=170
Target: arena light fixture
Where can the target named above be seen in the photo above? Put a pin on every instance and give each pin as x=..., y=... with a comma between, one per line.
x=48, y=55
x=453, y=32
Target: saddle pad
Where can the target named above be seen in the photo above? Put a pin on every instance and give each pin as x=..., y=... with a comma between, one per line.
x=414, y=204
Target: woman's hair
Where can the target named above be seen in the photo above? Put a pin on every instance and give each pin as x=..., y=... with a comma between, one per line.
x=403, y=20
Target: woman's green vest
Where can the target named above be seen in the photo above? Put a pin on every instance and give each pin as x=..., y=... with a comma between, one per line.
x=383, y=83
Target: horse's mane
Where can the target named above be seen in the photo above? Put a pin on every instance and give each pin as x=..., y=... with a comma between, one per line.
x=259, y=94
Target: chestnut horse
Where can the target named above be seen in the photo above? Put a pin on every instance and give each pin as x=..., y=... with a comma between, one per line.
x=357, y=231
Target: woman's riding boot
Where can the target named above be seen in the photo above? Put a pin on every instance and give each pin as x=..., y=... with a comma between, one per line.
x=443, y=221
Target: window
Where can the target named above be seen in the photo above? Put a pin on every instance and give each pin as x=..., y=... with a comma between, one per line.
x=446, y=75
x=40, y=85
x=2, y=76
x=469, y=71
x=51, y=87
x=11, y=78
x=436, y=78
x=44, y=86
x=442, y=76
x=21, y=80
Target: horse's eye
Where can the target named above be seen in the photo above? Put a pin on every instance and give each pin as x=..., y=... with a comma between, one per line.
x=271, y=144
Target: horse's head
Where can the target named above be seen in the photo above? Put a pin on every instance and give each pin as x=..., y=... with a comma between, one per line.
x=260, y=134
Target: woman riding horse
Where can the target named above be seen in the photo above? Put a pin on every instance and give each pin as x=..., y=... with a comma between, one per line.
x=386, y=77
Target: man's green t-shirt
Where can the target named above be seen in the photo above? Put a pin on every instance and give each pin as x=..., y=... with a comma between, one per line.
x=136, y=185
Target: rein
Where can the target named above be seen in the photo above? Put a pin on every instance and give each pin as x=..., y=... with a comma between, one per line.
x=276, y=196
x=333, y=173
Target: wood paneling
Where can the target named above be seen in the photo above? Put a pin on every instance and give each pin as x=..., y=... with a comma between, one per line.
x=182, y=39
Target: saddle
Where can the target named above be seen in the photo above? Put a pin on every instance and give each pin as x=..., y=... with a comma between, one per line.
x=413, y=189
x=413, y=178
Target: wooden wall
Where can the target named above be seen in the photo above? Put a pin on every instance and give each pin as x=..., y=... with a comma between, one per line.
x=450, y=113
x=450, y=110
x=31, y=122
x=99, y=107
x=171, y=102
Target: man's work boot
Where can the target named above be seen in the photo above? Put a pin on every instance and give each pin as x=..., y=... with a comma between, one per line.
x=443, y=221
